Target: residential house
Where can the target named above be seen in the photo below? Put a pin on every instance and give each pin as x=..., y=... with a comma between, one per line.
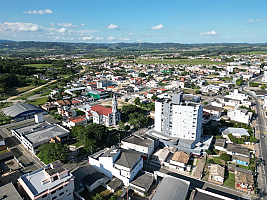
x=48, y=183
x=73, y=121
x=66, y=111
x=241, y=160
x=140, y=144
x=240, y=115
x=199, y=194
x=220, y=144
x=160, y=156
x=216, y=173
x=244, y=180
x=215, y=111
x=180, y=160
x=234, y=149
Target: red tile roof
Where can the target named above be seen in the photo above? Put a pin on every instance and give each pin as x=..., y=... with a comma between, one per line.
x=75, y=102
x=78, y=120
x=101, y=110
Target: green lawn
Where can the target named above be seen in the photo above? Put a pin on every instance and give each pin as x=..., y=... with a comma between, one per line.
x=39, y=65
x=230, y=180
x=255, y=52
x=39, y=101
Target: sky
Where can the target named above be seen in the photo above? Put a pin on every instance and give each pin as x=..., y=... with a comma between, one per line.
x=113, y=21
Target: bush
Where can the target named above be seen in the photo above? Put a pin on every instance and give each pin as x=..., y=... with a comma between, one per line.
x=225, y=157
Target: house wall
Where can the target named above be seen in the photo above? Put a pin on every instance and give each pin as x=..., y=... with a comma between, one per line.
x=179, y=164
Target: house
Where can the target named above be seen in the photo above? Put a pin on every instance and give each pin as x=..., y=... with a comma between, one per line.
x=215, y=111
x=160, y=156
x=237, y=95
x=65, y=111
x=73, y=121
x=244, y=179
x=50, y=182
x=220, y=144
x=121, y=163
x=240, y=115
x=241, y=160
x=180, y=160
x=106, y=116
x=216, y=173
x=234, y=149
x=140, y=144
x=236, y=132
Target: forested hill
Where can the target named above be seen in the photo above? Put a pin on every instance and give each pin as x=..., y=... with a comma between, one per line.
x=32, y=48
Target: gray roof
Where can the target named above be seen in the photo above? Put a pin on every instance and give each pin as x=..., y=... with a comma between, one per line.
x=138, y=140
x=242, y=158
x=80, y=173
x=220, y=142
x=92, y=178
x=9, y=192
x=18, y=109
x=142, y=179
x=171, y=188
x=238, y=149
x=127, y=158
x=200, y=194
x=214, y=108
x=114, y=183
x=42, y=132
x=242, y=170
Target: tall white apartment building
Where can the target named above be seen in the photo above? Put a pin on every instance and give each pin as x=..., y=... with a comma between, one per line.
x=177, y=119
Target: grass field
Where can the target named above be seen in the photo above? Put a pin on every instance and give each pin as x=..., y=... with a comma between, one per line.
x=255, y=52
x=40, y=65
x=230, y=180
x=39, y=101
x=178, y=61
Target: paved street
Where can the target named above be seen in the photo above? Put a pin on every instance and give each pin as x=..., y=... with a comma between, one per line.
x=260, y=129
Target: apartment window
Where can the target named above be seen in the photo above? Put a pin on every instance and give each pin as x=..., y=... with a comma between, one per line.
x=53, y=192
x=60, y=194
x=44, y=196
x=55, y=197
x=69, y=194
x=55, y=178
x=60, y=188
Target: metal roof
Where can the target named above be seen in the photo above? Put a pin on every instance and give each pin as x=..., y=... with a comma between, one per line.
x=171, y=188
x=18, y=109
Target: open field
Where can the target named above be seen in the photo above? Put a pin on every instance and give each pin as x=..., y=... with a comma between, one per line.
x=178, y=61
x=39, y=65
x=230, y=181
x=255, y=52
x=39, y=101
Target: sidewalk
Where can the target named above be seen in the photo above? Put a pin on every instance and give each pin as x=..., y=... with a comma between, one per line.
x=200, y=166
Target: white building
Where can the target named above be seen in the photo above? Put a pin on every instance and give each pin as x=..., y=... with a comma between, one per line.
x=140, y=144
x=236, y=95
x=49, y=183
x=240, y=115
x=121, y=163
x=176, y=119
x=106, y=116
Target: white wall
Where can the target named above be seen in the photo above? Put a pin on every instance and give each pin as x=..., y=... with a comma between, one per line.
x=158, y=107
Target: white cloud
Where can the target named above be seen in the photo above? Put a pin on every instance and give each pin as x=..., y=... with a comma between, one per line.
x=85, y=32
x=66, y=24
x=260, y=20
x=158, y=27
x=131, y=34
x=82, y=24
x=185, y=35
x=62, y=30
x=247, y=32
x=250, y=20
x=209, y=33
x=99, y=38
x=40, y=12
x=124, y=39
x=182, y=29
x=113, y=26
x=52, y=24
x=110, y=38
x=228, y=37
x=18, y=26
x=88, y=38
x=51, y=33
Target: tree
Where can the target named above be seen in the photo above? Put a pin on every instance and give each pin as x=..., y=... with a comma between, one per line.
x=113, y=197
x=239, y=82
x=154, y=97
x=142, y=75
x=208, y=152
x=89, y=145
x=121, y=125
x=127, y=128
x=137, y=101
x=51, y=152
x=97, y=197
x=197, y=92
x=225, y=157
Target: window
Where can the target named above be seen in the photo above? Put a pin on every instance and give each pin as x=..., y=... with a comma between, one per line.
x=55, y=197
x=60, y=194
x=44, y=196
x=69, y=194
x=53, y=192
x=60, y=188
x=55, y=178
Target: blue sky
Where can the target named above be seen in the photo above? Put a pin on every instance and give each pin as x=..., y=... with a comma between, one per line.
x=108, y=21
